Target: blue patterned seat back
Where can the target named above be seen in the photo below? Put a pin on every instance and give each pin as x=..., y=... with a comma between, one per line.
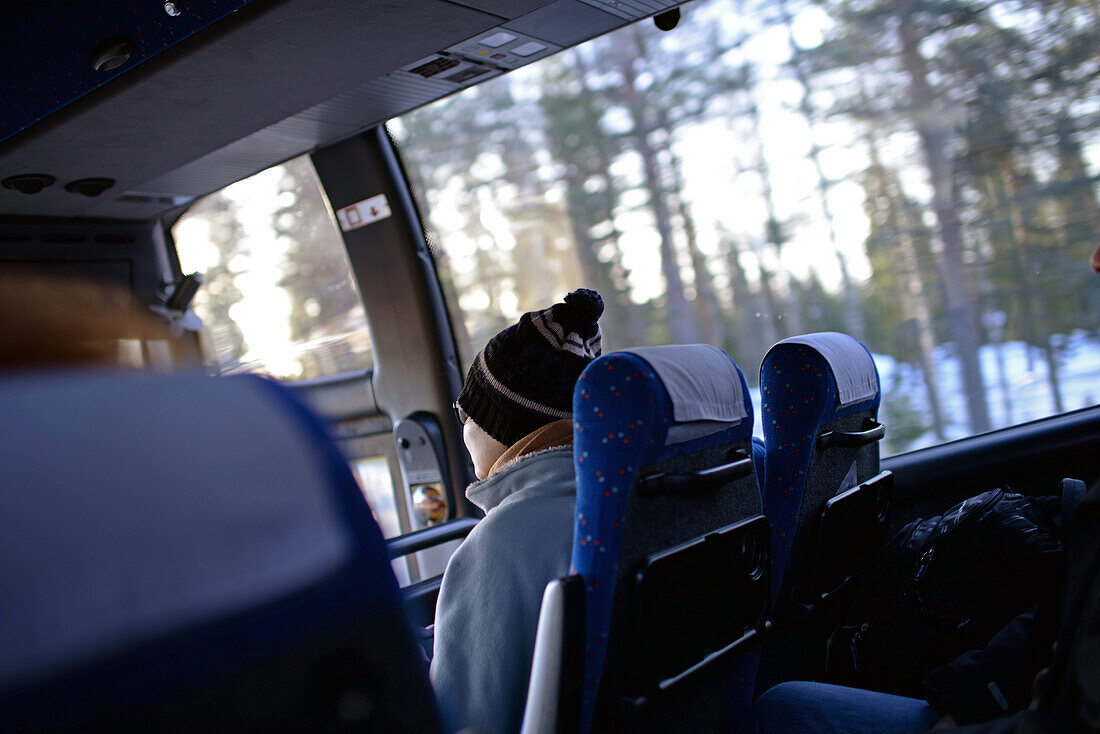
x=667, y=409
x=190, y=553
x=811, y=385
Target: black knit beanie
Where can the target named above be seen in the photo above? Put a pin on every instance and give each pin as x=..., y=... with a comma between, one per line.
x=524, y=377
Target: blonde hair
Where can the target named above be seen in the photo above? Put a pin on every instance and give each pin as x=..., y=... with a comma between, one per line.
x=54, y=321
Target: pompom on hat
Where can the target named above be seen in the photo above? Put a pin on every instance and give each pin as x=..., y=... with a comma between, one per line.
x=524, y=377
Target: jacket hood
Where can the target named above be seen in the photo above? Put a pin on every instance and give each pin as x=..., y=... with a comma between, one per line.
x=543, y=473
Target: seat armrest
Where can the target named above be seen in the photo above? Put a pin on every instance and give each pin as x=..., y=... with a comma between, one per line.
x=553, y=693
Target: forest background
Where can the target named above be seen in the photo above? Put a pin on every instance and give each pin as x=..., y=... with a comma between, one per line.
x=920, y=174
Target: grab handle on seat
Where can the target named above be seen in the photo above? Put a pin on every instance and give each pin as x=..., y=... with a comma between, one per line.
x=429, y=537
x=704, y=479
x=872, y=431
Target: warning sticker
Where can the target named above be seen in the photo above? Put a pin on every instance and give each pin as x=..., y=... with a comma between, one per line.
x=364, y=212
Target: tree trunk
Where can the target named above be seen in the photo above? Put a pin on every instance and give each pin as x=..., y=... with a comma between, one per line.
x=711, y=318
x=749, y=334
x=711, y=322
x=681, y=324
x=1031, y=282
x=934, y=140
x=1079, y=206
x=623, y=324
x=853, y=309
x=914, y=299
x=774, y=235
x=768, y=302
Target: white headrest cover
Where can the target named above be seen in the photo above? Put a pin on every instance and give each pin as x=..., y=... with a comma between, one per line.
x=702, y=381
x=851, y=363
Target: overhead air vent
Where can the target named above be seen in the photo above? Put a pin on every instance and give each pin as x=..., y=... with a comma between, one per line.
x=27, y=183
x=115, y=239
x=450, y=69
x=90, y=186
x=63, y=239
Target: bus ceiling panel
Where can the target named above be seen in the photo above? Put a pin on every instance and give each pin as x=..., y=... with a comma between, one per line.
x=57, y=51
x=569, y=22
x=254, y=70
x=506, y=9
x=633, y=9
x=274, y=81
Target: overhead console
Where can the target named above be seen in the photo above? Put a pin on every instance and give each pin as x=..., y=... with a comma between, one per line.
x=259, y=86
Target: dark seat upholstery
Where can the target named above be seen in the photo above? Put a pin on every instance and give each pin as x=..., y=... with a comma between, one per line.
x=191, y=554
x=669, y=539
x=820, y=397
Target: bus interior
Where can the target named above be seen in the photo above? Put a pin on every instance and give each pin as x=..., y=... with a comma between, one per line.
x=351, y=198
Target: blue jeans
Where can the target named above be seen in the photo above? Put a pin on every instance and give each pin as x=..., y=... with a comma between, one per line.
x=821, y=708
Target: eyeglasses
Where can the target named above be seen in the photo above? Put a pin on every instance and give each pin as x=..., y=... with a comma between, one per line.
x=462, y=417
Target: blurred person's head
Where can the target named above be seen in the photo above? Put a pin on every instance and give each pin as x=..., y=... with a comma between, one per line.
x=524, y=377
x=1095, y=259
x=61, y=321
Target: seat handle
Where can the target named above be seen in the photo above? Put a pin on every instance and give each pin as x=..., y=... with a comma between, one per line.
x=429, y=537
x=704, y=479
x=872, y=431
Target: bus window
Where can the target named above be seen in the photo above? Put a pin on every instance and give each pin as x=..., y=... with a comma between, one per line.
x=279, y=299
x=374, y=464
x=278, y=296
x=775, y=168
x=373, y=473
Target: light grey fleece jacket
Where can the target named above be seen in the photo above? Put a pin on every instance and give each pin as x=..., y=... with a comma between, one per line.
x=488, y=606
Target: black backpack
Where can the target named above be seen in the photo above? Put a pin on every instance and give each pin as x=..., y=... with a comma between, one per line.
x=948, y=584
